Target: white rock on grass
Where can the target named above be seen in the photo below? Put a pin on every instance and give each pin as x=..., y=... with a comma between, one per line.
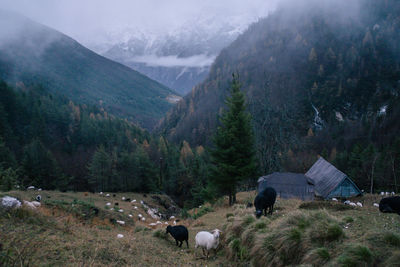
x=135, y=207
x=10, y=202
x=121, y=222
x=120, y=236
x=376, y=205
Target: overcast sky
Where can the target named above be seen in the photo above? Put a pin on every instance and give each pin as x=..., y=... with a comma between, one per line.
x=82, y=18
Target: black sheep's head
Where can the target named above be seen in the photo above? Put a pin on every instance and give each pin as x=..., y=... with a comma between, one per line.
x=168, y=229
x=258, y=213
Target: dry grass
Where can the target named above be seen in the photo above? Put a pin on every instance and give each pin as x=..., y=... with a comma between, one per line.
x=58, y=234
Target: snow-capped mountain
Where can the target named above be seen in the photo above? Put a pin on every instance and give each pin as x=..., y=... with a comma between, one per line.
x=179, y=58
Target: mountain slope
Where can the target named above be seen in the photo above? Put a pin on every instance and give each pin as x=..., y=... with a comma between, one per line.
x=33, y=53
x=312, y=56
x=179, y=58
x=327, y=67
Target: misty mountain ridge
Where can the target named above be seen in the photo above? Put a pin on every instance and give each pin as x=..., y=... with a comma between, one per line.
x=32, y=53
x=312, y=66
x=179, y=58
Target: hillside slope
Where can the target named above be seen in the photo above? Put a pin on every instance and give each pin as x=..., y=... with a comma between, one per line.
x=325, y=68
x=67, y=228
x=33, y=53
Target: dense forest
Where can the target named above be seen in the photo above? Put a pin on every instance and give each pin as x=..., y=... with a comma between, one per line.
x=321, y=78
x=50, y=142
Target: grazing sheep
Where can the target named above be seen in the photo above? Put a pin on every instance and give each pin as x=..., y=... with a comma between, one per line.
x=390, y=205
x=347, y=202
x=121, y=222
x=207, y=241
x=359, y=204
x=376, y=205
x=10, y=202
x=133, y=201
x=108, y=204
x=120, y=236
x=107, y=195
x=334, y=199
x=265, y=200
x=353, y=204
x=179, y=233
x=31, y=187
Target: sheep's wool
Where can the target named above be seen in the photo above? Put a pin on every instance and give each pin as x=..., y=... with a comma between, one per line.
x=10, y=202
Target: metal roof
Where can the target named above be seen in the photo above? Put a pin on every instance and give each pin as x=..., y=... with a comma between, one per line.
x=286, y=178
x=326, y=177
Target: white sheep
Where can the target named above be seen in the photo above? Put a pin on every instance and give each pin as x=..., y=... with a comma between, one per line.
x=123, y=198
x=133, y=201
x=121, y=210
x=353, y=204
x=376, y=205
x=108, y=204
x=140, y=215
x=359, y=204
x=120, y=236
x=207, y=240
x=347, y=202
x=107, y=195
x=392, y=193
x=130, y=215
x=143, y=219
x=135, y=208
x=121, y=222
x=334, y=199
x=382, y=193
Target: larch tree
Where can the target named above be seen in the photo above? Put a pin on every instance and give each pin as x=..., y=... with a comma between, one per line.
x=233, y=155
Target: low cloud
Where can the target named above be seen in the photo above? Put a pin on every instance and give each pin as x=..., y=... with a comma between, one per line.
x=174, y=61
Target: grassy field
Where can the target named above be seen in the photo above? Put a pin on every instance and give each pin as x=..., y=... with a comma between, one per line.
x=66, y=230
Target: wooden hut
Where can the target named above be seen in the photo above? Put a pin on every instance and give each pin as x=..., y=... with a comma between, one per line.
x=288, y=185
x=330, y=182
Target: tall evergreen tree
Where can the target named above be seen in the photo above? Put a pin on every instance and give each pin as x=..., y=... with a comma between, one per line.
x=233, y=156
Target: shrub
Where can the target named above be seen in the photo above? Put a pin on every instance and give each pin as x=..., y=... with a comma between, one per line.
x=248, y=220
x=202, y=211
x=160, y=234
x=348, y=219
x=260, y=225
x=392, y=239
x=356, y=256
x=229, y=215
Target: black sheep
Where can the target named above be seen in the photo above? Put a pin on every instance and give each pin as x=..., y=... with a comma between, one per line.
x=180, y=233
x=390, y=205
x=265, y=200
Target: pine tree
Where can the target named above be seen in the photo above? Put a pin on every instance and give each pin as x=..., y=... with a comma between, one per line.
x=233, y=156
